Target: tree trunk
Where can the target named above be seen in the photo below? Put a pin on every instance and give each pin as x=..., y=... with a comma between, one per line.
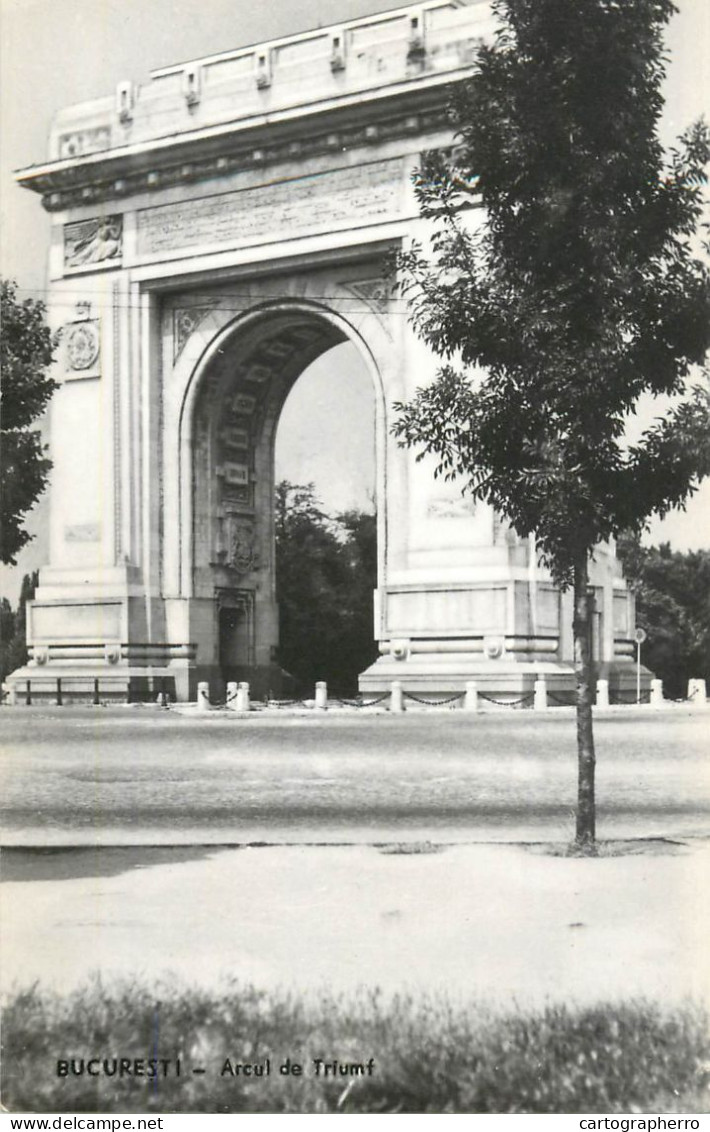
x=586, y=806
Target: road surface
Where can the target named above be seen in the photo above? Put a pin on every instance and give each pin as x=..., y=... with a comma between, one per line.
x=141, y=776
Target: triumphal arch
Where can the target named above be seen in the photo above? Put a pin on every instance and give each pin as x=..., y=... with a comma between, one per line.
x=213, y=232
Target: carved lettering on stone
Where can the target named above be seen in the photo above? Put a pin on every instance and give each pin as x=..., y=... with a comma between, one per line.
x=336, y=199
x=444, y=508
x=88, y=242
x=83, y=532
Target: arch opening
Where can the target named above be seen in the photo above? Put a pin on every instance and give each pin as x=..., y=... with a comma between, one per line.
x=238, y=404
x=326, y=524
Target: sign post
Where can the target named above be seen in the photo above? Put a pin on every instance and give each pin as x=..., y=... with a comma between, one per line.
x=639, y=637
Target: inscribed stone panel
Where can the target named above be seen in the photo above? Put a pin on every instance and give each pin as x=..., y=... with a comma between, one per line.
x=455, y=612
x=76, y=622
x=336, y=199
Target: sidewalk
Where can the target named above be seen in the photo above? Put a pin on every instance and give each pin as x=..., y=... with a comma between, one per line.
x=493, y=922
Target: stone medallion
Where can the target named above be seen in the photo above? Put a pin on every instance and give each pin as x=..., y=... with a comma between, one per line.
x=82, y=345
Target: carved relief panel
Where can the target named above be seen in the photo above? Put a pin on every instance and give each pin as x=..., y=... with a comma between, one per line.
x=93, y=243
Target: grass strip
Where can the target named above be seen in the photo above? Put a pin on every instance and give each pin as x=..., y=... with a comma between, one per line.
x=405, y=1054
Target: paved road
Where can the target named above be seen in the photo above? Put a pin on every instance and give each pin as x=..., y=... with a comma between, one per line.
x=85, y=776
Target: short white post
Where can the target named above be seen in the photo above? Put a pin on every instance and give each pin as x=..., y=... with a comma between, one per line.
x=203, y=696
x=396, y=697
x=470, y=702
x=232, y=695
x=11, y=693
x=657, y=693
x=697, y=691
x=243, y=703
x=540, y=690
x=602, y=693
x=321, y=695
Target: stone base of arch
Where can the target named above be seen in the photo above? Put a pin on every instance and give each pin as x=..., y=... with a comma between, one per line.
x=446, y=673
x=506, y=679
x=94, y=683
x=100, y=638
x=439, y=672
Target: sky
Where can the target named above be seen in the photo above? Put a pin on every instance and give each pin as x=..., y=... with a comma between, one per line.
x=58, y=52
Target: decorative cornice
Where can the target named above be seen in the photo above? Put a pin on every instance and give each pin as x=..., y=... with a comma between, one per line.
x=115, y=176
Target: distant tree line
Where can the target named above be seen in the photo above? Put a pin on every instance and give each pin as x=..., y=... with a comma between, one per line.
x=27, y=349
x=672, y=591
x=326, y=571
x=13, y=622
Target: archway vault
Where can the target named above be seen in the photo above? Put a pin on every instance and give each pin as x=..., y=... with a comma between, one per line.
x=228, y=420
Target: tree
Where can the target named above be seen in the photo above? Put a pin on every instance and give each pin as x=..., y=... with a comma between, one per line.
x=13, y=637
x=326, y=570
x=673, y=606
x=578, y=292
x=26, y=351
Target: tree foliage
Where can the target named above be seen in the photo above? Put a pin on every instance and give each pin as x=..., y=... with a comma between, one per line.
x=326, y=570
x=13, y=642
x=574, y=285
x=578, y=293
x=672, y=591
x=26, y=352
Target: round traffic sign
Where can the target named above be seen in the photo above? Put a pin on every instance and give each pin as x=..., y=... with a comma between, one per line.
x=640, y=636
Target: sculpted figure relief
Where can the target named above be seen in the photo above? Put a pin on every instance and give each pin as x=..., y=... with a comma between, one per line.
x=93, y=241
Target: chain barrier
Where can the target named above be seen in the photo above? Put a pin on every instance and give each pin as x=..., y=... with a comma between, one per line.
x=508, y=703
x=559, y=700
x=616, y=700
x=289, y=703
x=221, y=703
x=434, y=703
x=165, y=699
x=361, y=703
